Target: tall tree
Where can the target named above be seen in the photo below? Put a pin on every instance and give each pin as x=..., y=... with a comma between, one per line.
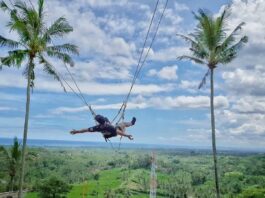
x=12, y=157
x=34, y=44
x=210, y=44
x=53, y=188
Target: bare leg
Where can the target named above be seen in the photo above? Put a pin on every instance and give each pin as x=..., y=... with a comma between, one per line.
x=122, y=133
x=125, y=124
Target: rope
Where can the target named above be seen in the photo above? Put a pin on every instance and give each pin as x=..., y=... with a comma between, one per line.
x=80, y=92
x=136, y=74
x=139, y=67
x=140, y=58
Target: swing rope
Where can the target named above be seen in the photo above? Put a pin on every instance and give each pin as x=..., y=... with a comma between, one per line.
x=140, y=66
x=139, y=60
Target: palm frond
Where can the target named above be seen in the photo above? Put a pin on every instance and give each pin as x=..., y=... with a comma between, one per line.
x=62, y=56
x=231, y=38
x=203, y=82
x=22, y=6
x=4, y=6
x=59, y=28
x=4, y=42
x=197, y=48
x=219, y=26
x=19, y=25
x=15, y=150
x=188, y=39
x=5, y=153
x=65, y=48
x=197, y=60
x=30, y=17
x=31, y=75
x=205, y=29
x=48, y=68
x=14, y=58
x=40, y=11
x=229, y=54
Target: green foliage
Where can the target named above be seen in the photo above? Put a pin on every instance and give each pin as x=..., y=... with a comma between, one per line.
x=35, y=39
x=253, y=192
x=205, y=191
x=233, y=182
x=191, y=176
x=10, y=162
x=179, y=185
x=53, y=188
x=142, y=161
x=210, y=42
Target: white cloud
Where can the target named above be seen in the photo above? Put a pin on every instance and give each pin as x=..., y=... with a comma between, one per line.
x=242, y=125
x=7, y=109
x=246, y=81
x=46, y=83
x=188, y=102
x=167, y=73
x=250, y=105
x=169, y=53
x=154, y=102
x=180, y=7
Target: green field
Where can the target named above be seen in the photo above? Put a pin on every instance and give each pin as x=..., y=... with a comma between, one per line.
x=105, y=173
x=110, y=180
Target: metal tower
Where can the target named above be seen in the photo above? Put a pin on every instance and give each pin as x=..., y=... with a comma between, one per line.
x=153, y=177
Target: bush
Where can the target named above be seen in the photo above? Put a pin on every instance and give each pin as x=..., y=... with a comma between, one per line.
x=53, y=188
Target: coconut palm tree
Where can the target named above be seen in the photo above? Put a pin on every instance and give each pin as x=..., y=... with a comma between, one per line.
x=211, y=45
x=12, y=157
x=34, y=45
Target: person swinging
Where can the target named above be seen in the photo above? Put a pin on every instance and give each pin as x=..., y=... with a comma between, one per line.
x=107, y=129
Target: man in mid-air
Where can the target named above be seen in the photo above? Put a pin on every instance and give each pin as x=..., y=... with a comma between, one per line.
x=107, y=129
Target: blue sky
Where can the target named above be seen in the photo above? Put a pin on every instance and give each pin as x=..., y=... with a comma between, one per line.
x=165, y=100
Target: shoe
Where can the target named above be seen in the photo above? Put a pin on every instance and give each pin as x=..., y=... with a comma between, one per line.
x=133, y=120
x=130, y=137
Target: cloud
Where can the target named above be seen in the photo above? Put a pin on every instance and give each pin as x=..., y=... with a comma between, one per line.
x=242, y=125
x=181, y=7
x=252, y=13
x=250, y=105
x=188, y=102
x=44, y=83
x=154, y=102
x=169, y=53
x=7, y=109
x=246, y=81
x=166, y=73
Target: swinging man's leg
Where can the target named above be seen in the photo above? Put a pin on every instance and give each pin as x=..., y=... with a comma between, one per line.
x=122, y=133
x=127, y=124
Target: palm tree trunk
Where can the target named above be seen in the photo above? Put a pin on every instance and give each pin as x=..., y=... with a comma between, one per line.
x=213, y=137
x=21, y=178
x=11, y=184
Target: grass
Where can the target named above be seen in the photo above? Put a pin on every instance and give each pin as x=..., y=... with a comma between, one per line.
x=114, y=179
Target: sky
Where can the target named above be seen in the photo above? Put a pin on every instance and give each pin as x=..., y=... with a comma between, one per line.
x=169, y=108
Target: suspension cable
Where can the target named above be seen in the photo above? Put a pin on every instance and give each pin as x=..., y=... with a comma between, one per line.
x=140, y=57
x=139, y=68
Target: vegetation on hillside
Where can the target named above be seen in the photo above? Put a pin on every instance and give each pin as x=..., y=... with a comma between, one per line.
x=105, y=173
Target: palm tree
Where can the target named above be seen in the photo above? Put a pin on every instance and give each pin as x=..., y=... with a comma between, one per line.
x=35, y=43
x=12, y=157
x=210, y=44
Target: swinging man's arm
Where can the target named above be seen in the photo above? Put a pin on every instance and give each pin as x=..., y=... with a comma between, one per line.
x=73, y=132
x=96, y=128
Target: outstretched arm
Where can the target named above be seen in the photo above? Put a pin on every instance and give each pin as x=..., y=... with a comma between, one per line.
x=73, y=132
